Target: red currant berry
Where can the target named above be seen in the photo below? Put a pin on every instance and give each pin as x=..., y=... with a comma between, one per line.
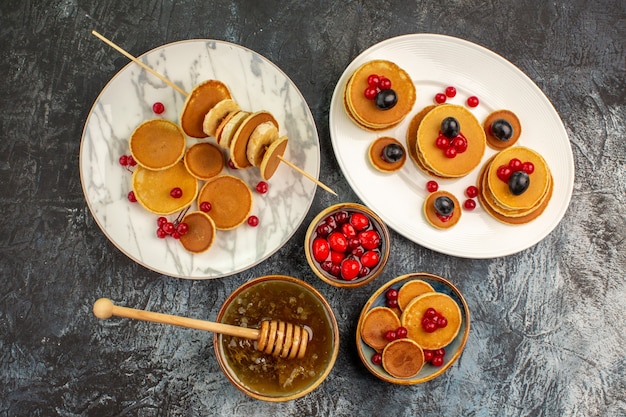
x=450, y=91
x=450, y=152
x=432, y=186
x=391, y=294
x=504, y=172
x=262, y=187
x=402, y=332
x=460, y=144
x=182, y=228
x=161, y=221
x=131, y=197
x=437, y=360
x=472, y=101
x=176, y=235
x=176, y=192
x=515, y=164
x=370, y=93
x=373, y=80
x=471, y=191
x=428, y=355
x=158, y=107
x=440, y=98
x=384, y=83
x=168, y=228
x=429, y=327
x=391, y=335
x=161, y=233
x=205, y=206
x=430, y=313
x=131, y=161
x=123, y=160
x=528, y=167
x=442, y=142
x=370, y=259
x=377, y=358
x=253, y=221
x=392, y=303
x=439, y=352
x=443, y=322
x=469, y=204
x=231, y=164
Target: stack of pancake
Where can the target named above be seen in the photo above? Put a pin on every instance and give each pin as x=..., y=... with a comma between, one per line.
x=497, y=198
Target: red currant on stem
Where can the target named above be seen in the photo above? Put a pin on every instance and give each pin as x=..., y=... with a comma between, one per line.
x=472, y=101
x=158, y=107
x=161, y=221
x=469, y=204
x=168, y=228
x=161, y=233
x=432, y=186
x=391, y=335
x=384, y=83
x=377, y=358
x=515, y=164
x=123, y=160
x=373, y=80
x=528, y=167
x=131, y=161
x=437, y=360
x=370, y=93
x=182, y=228
x=402, y=332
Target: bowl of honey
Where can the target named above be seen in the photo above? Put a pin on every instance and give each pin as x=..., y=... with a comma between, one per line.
x=271, y=377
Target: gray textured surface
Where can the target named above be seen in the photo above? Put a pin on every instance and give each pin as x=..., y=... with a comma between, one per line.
x=548, y=324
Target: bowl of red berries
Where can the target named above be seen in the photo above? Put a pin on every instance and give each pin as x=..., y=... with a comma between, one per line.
x=413, y=329
x=347, y=245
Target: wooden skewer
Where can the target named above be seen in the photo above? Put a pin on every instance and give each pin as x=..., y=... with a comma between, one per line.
x=184, y=93
x=276, y=338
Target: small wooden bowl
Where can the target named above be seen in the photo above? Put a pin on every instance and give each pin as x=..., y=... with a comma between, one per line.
x=376, y=224
x=453, y=349
x=270, y=295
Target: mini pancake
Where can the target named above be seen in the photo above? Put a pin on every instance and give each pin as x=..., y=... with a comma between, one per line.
x=201, y=233
x=215, y=116
x=230, y=199
x=410, y=290
x=539, y=179
x=226, y=132
x=364, y=111
x=359, y=123
x=260, y=139
x=198, y=103
x=375, y=324
x=157, y=144
x=435, y=158
x=239, y=143
x=403, y=358
x=509, y=116
x=432, y=216
x=204, y=160
x=444, y=305
x=152, y=188
x=376, y=158
x=271, y=160
x=411, y=134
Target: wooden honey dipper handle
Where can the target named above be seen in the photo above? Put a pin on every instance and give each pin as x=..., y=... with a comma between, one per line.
x=271, y=337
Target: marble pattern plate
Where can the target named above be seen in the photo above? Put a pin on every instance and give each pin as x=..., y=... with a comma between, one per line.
x=126, y=101
x=435, y=62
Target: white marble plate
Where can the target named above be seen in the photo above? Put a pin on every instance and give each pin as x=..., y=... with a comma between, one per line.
x=126, y=101
x=435, y=62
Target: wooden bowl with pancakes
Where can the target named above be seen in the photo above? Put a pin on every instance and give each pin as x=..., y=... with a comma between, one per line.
x=393, y=339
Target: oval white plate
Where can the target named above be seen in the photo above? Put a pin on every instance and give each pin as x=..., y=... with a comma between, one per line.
x=435, y=62
x=126, y=101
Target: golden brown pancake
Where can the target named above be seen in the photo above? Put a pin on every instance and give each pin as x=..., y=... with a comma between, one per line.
x=204, y=160
x=157, y=144
x=271, y=160
x=376, y=158
x=411, y=134
x=198, y=103
x=443, y=304
x=431, y=214
x=230, y=199
x=403, y=358
x=239, y=143
x=152, y=188
x=509, y=116
x=201, y=232
x=364, y=111
x=410, y=290
x=435, y=158
x=376, y=323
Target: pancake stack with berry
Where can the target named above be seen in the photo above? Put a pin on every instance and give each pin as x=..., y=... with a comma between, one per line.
x=379, y=95
x=515, y=185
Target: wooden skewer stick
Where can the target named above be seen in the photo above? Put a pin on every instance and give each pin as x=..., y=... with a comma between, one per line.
x=306, y=174
x=184, y=93
x=138, y=62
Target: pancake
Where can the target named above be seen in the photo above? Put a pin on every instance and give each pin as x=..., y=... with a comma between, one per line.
x=403, y=358
x=239, y=143
x=229, y=126
x=198, y=103
x=204, y=160
x=152, y=188
x=201, y=233
x=376, y=158
x=230, y=199
x=410, y=290
x=539, y=179
x=434, y=158
x=271, y=160
x=376, y=323
x=444, y=305
x=215, y=116
x=260, y=139
x=432, y=215
x=364, y=111
x=411, y=134
x=510, y=117
x=157, y=144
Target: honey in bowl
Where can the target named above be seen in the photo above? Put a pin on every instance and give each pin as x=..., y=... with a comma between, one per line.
x=264, y=376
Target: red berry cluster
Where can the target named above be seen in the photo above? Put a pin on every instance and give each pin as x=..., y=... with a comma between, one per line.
x=391, y=295
x=514, y=165
x=433, y=320
x=435, y=357
x=376, y=84
x=390, y=335
x=471, y=192
x=127, y=161
x=441, y=98
x=167, y=228
x=346, y=245
x=451, y=147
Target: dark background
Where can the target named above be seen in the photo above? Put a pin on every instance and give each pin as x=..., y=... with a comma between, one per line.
x=548, y=323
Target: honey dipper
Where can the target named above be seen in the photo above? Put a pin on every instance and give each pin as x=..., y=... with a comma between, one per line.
x=275, y=338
